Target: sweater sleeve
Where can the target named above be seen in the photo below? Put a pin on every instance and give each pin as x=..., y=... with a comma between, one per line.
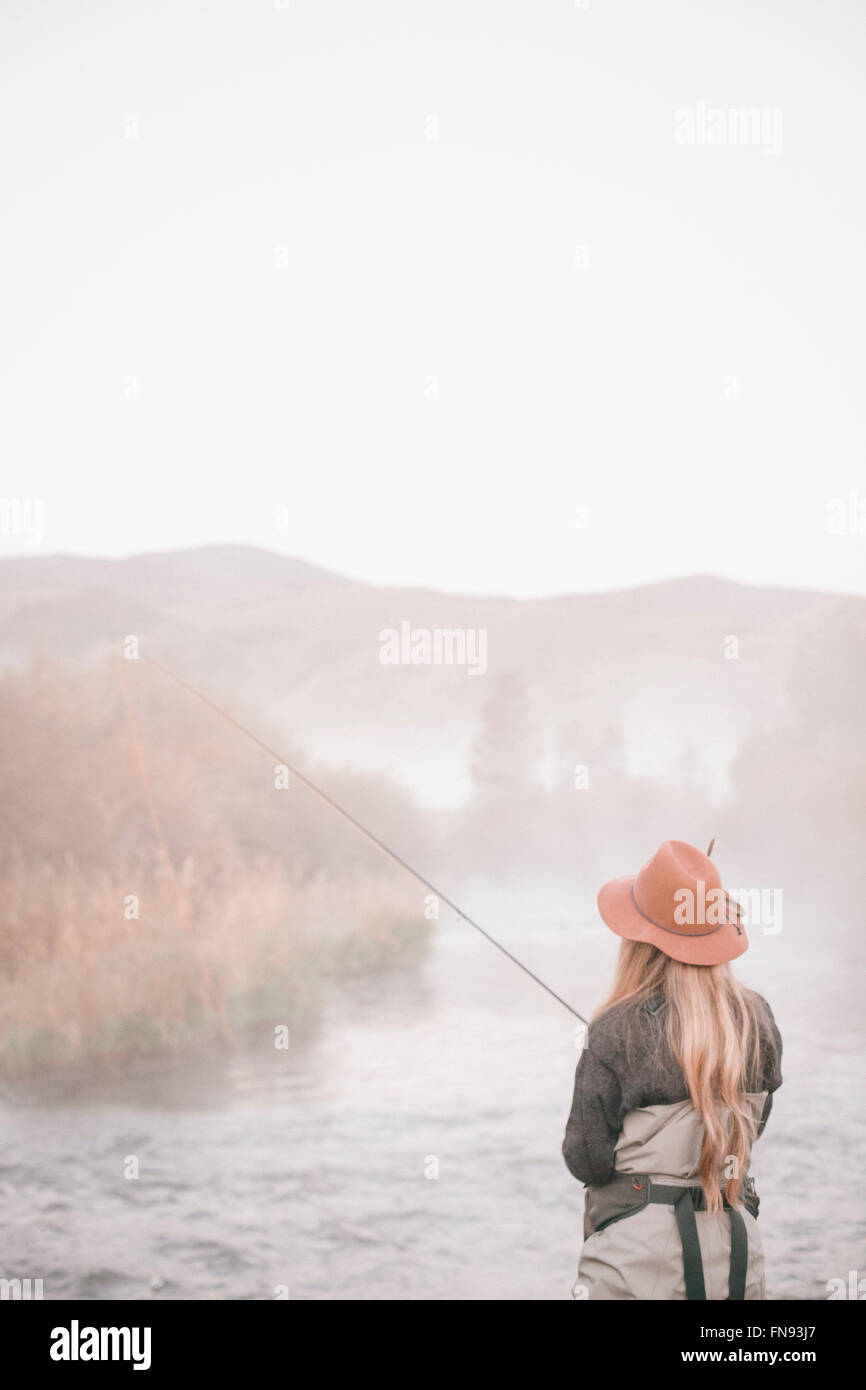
x=594, y=1122
x=771, y=1051
x=770, y=1044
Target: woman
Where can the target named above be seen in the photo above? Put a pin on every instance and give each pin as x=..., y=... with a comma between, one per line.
x=674, y=1084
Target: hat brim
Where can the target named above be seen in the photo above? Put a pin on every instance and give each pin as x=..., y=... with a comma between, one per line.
x=618, y=911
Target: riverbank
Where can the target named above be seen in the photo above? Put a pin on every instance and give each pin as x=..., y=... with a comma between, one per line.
x=201, y=961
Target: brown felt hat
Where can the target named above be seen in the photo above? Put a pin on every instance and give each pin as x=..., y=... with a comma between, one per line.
x=678, y=904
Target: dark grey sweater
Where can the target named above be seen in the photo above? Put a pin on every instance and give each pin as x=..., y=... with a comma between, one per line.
x=626, y=1063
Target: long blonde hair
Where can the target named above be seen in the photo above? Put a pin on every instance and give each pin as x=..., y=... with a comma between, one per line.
x=713, y=1032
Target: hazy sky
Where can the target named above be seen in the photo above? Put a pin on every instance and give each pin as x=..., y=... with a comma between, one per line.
x=397, y=288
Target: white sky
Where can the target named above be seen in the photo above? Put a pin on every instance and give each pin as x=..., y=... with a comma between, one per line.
x=410, y=258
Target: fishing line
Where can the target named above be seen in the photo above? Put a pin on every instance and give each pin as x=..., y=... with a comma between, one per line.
x=368, y=834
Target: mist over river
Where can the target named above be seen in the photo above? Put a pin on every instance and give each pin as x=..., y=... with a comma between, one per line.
x=312, y=1170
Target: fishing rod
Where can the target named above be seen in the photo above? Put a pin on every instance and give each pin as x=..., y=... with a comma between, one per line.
x=368, y=834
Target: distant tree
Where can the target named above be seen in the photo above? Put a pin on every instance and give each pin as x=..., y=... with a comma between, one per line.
x=502, y=756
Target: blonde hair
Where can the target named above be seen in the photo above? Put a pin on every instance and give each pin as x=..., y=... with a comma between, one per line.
x=713, y=1031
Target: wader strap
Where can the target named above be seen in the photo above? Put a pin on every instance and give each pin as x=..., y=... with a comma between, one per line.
x=684, y=1209
x=619, y=1198
x=739, y=1257
x=685, y=1201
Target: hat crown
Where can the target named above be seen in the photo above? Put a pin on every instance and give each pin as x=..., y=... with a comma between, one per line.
x=680, y=888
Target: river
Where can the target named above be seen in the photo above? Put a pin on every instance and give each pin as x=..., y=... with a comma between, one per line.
x=409, y=1149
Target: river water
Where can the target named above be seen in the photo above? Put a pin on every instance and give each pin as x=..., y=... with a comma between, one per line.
x=410, y=1149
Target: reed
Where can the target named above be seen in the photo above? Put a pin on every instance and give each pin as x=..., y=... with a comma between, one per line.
x=223, y=906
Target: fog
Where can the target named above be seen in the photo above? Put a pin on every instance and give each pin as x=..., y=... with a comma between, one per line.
x=465, y=400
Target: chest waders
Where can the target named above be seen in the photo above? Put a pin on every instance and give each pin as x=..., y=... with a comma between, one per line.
x=628, y=1193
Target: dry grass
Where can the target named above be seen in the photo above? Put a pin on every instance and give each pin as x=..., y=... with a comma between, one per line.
x=248, y=928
